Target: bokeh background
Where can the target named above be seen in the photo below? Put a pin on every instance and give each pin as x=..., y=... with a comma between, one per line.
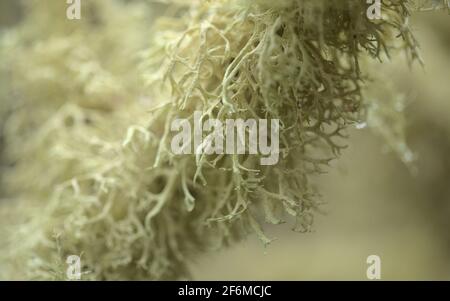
x=376, y=205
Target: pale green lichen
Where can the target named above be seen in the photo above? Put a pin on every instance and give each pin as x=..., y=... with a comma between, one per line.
x=89, y=143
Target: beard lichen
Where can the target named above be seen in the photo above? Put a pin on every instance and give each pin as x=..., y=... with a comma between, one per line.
x=90, y=104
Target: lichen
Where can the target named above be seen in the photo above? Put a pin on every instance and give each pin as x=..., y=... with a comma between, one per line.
x=88, y=125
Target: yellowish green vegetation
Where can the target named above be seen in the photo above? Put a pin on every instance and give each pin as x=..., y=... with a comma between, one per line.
x=87, y=110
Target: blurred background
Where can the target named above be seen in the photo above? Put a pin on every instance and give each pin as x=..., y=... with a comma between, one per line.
x=375, y=204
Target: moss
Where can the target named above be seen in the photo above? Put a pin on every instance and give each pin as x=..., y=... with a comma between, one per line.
x=90, y=141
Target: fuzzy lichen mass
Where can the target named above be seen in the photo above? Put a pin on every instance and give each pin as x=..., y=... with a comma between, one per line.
x=113, y=191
